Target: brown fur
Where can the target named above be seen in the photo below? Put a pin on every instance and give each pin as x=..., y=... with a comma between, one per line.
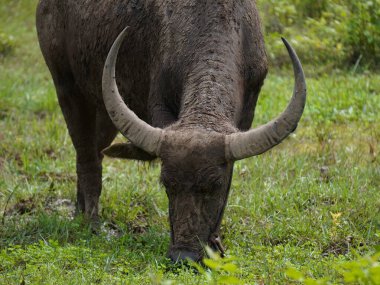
x=191, y=66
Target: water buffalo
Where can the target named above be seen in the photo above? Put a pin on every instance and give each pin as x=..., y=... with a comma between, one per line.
x=188, y=79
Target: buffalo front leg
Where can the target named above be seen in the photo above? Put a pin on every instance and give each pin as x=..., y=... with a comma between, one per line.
x=80, y=117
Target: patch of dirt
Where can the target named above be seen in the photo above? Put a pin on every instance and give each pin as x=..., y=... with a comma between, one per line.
x=41, y=114
x=139, y=225
x=3, y=114
x=22, y=207
x=64, y=207
x=56, y=176
x=111, y=230
x=336, y=248
x=50, y=152
x=18, y=159
x=325, y=175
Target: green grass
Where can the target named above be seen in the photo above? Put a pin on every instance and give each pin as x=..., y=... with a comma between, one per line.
x=281, y=208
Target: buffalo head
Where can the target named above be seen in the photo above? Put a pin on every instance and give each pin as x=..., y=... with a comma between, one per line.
x=197, y=162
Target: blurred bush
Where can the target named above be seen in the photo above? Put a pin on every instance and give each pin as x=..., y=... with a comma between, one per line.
x=327, y=34
x=6, y=44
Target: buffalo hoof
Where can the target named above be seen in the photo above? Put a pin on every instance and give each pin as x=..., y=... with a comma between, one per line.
x=92, y=222
x=179, y=256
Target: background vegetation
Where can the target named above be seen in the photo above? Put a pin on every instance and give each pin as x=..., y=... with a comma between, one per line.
x=304, y=212
x=327, y=34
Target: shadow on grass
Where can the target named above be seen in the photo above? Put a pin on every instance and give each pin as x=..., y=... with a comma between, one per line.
x=25, y=230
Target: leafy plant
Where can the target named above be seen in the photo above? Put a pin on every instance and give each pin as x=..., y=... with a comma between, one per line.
x=364, y=270
x=327, y=34
x=364, y=31
x=220, y=270
x=214, y=271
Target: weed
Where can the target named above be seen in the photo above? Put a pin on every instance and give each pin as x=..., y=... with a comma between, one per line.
x=364, y=270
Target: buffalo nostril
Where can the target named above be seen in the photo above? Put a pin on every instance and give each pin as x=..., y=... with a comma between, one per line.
x=184, y=255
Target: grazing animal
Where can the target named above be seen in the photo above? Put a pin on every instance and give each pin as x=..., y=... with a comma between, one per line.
x=187, y=82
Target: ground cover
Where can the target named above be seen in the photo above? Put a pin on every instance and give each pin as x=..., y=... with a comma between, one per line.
x=309, y=204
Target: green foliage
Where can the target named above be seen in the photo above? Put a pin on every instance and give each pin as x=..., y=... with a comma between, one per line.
x=364, y=31
x=364, y=270
x=220, y=270
x=326, y=34
x=215, y=270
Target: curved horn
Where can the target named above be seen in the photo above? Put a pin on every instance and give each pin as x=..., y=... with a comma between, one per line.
x=134, y=129
x=263, y=138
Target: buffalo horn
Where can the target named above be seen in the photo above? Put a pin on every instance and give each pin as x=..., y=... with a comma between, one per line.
x=257, y=141
x=133, y=128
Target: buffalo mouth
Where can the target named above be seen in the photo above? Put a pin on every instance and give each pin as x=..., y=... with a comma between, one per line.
x=195, y=220
x=185, y=244
x=178, y=254
x=215, y=243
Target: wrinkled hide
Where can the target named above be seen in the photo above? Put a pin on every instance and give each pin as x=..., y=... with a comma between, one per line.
x=188, y=75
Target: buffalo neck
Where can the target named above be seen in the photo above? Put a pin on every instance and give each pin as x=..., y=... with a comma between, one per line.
x=201, y=64
x=212, y=94
x=213, y=80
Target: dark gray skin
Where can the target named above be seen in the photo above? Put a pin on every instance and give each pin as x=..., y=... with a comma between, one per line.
x=191, y=68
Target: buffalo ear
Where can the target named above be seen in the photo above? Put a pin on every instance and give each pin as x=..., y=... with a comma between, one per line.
x=127, y=151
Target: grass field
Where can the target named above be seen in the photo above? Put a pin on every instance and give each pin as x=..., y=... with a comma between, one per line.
x=310, y=204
